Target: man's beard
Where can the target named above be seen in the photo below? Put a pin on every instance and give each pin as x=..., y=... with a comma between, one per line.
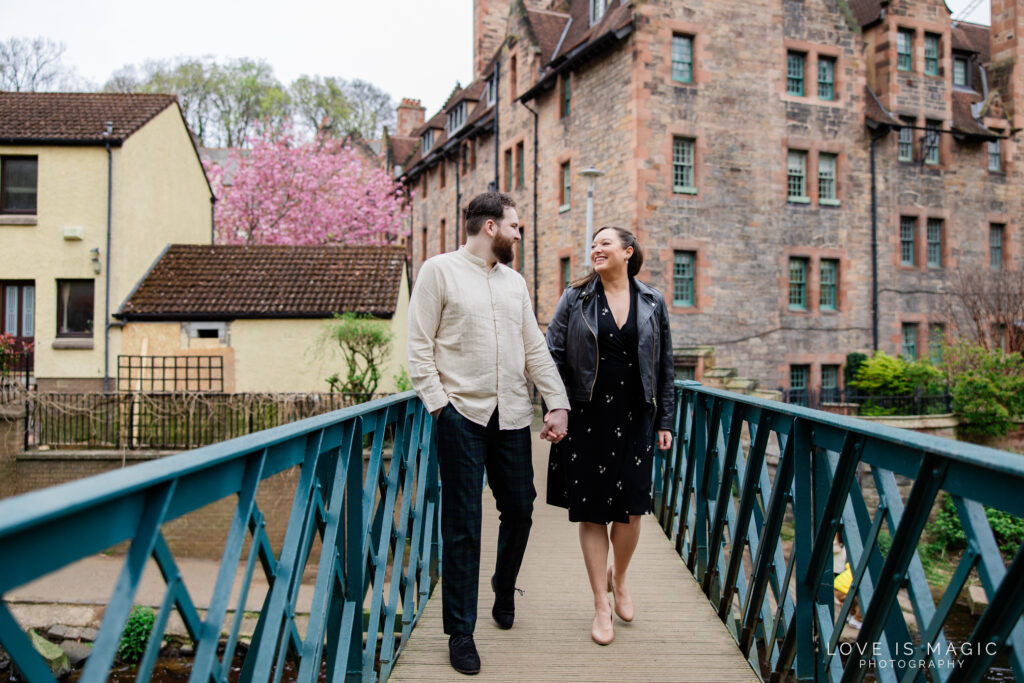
x=502, y=248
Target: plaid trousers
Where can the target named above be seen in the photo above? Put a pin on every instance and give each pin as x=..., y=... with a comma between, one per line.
x=464, y=450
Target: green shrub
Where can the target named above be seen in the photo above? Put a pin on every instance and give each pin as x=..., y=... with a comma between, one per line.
x=853, y=362
x=987, y=387
x=947, y=535
x=136, y=634
x=365, y=343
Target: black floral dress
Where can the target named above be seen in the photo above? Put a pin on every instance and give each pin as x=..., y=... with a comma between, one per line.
x=601, y=470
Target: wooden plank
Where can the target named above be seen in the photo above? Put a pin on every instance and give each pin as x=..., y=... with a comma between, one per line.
x=675, y=636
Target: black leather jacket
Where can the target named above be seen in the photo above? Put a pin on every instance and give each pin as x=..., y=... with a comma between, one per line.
x=572, y=340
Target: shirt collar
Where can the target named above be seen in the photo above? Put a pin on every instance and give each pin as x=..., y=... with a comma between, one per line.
x=474, y=259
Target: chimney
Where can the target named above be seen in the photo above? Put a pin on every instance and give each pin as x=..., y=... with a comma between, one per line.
x=410, y=115
x=1006, y=69
x=490, y=18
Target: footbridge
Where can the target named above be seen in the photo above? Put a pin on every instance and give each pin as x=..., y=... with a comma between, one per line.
x=732, y=580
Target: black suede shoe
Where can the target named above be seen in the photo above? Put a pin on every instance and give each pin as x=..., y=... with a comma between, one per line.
x=504, y=610
x=463, y=655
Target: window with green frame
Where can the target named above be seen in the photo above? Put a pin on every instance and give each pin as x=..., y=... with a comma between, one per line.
x=931, y=141
x=908, y=344
x=566, y=189
x=908, y=230
x=931, y=54
x=960, y=71
x=904, y=49
x=798, y=284
x=566, y=272
x=830, y=383
x=795, y=73
x=995, y=246
x=508, y=169
x=566, y=94
x=936, y=337
x=796, y=176
x=826, y=78
x=683, y=266
x=828, y=294
x=682, y=58
x=520, y=165
x=905, y=143
x=682, y=166
x=827, y=179
x=934, y=242
x=798, y=379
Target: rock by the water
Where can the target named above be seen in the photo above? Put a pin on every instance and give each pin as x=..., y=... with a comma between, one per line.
x=51, y=653
x=77, y=652
x=88, y=634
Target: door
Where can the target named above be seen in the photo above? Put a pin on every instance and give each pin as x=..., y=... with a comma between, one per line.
x=18, y=303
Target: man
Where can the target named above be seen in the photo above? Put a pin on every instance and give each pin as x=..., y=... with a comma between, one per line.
x=472, y=340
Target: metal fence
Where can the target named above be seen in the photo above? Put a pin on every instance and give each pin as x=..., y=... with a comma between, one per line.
x=719, y=504
x=860, y=403
x=16, y=376
x=379, y=533
x=168, y=421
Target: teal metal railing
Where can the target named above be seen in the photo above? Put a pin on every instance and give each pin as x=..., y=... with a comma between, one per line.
x=378, y=526
x=724, y=508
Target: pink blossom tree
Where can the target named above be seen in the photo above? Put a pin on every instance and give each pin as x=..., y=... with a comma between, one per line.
x=285, y=191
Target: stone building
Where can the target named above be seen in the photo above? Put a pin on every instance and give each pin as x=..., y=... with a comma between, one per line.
x=803, y=174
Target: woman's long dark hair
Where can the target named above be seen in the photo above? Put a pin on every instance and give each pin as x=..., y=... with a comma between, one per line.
x=626, y=239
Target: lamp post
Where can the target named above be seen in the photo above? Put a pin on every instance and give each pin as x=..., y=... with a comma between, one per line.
x=591, y=174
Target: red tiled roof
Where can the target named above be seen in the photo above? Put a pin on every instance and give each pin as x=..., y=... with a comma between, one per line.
x=548, y=28
x=972, y=38
x=867, y=11
x=76, y=118
x=193, y=281
x=402, y=148
x=580, y=31
x=963, y=119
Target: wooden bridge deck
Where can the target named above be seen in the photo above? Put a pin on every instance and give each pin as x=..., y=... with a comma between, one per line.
x=675, y=636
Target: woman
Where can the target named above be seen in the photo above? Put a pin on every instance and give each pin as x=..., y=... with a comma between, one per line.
x=611, y=341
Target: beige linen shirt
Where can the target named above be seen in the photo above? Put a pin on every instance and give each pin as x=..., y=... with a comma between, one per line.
x=473, y=339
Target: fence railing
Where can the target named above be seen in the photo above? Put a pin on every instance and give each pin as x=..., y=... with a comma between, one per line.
x=725, y=513
x=167, y=421
x=15, y=376
x=379, y=536
x=869, y=404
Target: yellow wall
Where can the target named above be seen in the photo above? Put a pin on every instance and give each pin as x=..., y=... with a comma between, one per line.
x=160, y=196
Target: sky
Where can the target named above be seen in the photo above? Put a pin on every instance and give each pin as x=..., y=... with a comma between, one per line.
x=409, y=48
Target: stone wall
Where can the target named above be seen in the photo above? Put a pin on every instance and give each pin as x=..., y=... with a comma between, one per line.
x=12, y=441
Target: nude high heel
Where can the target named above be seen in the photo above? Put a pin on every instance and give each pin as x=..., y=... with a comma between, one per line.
x=602, y=635
x=623, y=608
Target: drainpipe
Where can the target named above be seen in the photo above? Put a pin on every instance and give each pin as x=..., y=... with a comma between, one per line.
x=874, y=239
x=458, y=193
x=106, y=274
x=497, y=100
x=213, y=206
x=535, y=167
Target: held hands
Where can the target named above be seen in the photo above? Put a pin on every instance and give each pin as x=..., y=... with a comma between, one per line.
x=664, y=439
x=556, y=424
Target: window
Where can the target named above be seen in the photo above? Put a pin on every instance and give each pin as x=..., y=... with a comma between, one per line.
x=74, y=308
x=795, y=73
x=796, y=176
x=904, y=47
x=682, y=278
x=492, y=91
x=995, y=246
x=829, y=284
x=19, y=178
x=442, y=180
x=827, y=179
x=682, y=59
x=685, y=372
x=931, y=142
x=513, y=77
x=995, y=155
x=908, y=228
x=508, y=169
x=456, y=117
x=798, y=375
x=826, y=78
x=566, y=269
x=830, y=384
x=798, y=284
x=597, y=8
x=464, y=152
x=19, y=308
x=520, y=165
x=931, y=54
x=565, y=197
x=905, y=144
x=423, y=244
x=566, y=95
x=472, y=154
x=682, y=166
x=425, y=182
x=960, y=71
x=934, y=242
x=936, y=336
x=428, y=140
x=908, y=346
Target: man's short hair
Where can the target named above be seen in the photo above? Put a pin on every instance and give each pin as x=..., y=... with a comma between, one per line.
x=484, y=207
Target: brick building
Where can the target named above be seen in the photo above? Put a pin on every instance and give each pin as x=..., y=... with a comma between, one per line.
x=758, y=148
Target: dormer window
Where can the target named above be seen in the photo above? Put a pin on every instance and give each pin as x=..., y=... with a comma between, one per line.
x=428, y=140
x=492, y=91
x=961, y=71
x=597, y=8
x=456, y=118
